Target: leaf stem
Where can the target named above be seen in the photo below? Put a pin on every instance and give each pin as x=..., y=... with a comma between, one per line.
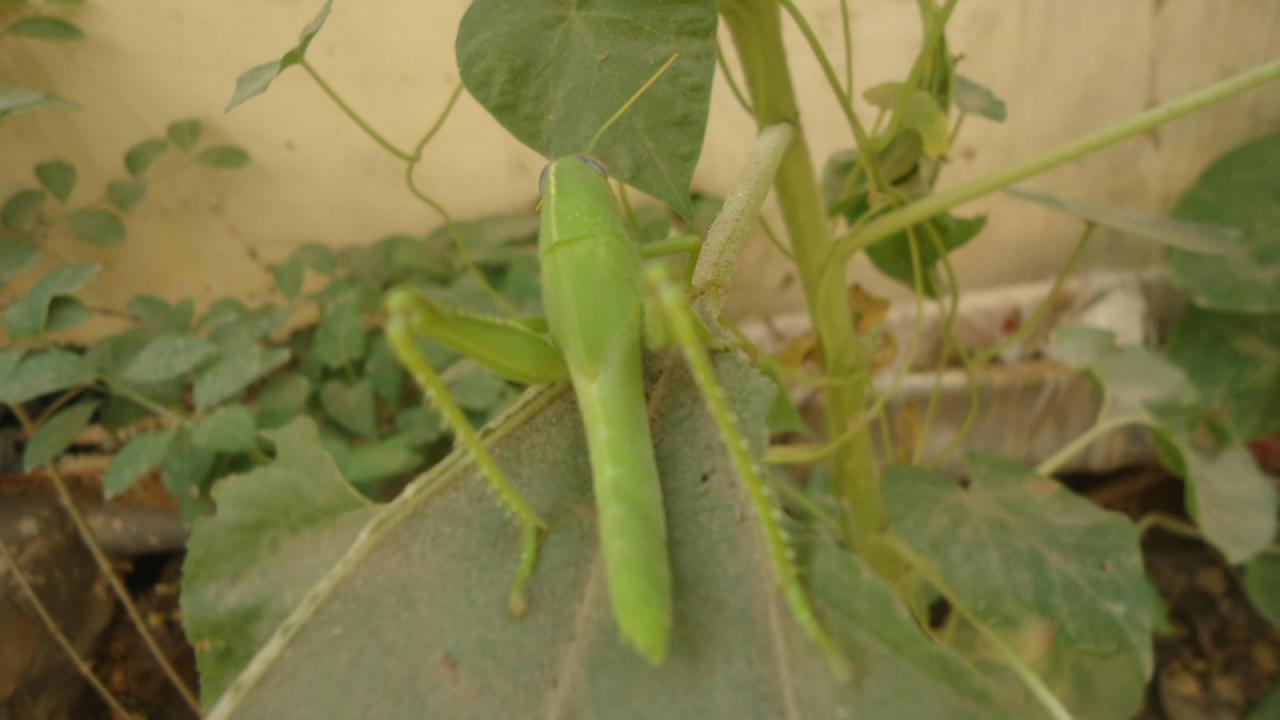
x=352, y=114
x=1052, y=465
x=1034, y=683
x=63, y=641
x=756, y=29
x=900, y=219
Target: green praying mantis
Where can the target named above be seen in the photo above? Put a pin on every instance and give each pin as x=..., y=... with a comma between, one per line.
x=596, y=288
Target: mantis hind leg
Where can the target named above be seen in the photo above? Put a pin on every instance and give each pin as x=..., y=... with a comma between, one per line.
x=683, y=328
x=400, y=331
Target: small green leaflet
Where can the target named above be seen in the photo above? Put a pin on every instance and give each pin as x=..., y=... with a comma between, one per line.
x=225, y=157
x=351, y=406
x=30, y=316
x=257, y=79
x=230, y=428
x=44, y=28
x=58, y=177
x=41, y=373
x=140, y=157
x=142, y=454
x=14, y=100
x=56, y=435
x=184, y=133
x=97, y=227
x=167, y=357
x=126, y=194
x=22, y=208
x=975, y=99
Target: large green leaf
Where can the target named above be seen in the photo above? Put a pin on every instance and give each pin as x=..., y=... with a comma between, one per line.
x=1027, y=557
x=553, y=71
x=1241, y=190
x=412, y=622
x=1234, y=360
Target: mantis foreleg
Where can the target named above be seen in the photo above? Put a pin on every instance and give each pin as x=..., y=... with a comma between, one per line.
x=410, y=316
x=681, y=323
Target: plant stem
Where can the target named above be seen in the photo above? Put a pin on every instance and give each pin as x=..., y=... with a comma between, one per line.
x=728, y=234
x=63, y=642
x=896, y=221
x=1051, y=466
x=756, y=28
x=351, y=113
x=1043, y=695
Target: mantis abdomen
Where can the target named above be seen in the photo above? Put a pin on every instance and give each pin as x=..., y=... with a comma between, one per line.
x=593, y=295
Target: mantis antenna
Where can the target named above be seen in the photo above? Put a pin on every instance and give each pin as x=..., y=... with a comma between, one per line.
x=631, y=101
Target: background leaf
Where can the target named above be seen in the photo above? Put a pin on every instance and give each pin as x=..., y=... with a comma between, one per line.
x=139, y=456
x=58, y=177
x=233, y=556
x=19, y=99
x=97, y=227
x=1238, y=190
x=22, y=208
x=167, y=357
x=126, y=194
x=225, y=157
x=417, y=588
x=1027, y=557
x=233, y=371
x=139, y=158
x=257, y=79
x=1234, y=361
x=44, y=28
x=184, y=133
x=230, y=428
x=552, y=72
x=1262, y=586
x=44, y=372
x=975, y=99
x=17, y=255
x=158, y=314
x=57, y=434
x=351, y=406
x=30, y=315
x=1230, y=498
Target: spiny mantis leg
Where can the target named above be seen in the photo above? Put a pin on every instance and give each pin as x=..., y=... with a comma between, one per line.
x=411, y=315
x=679, y=318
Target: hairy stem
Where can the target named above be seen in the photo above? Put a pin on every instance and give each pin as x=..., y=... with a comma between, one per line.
x=755, y=26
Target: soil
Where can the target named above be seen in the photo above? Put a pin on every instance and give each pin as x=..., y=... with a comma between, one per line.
x=1216, y=660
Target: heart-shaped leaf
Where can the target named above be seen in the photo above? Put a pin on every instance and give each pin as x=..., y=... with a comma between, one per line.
x=554, y=71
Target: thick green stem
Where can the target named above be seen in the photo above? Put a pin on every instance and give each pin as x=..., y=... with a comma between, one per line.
x=757, y=34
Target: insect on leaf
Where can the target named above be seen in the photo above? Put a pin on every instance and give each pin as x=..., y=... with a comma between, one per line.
x=417, y=586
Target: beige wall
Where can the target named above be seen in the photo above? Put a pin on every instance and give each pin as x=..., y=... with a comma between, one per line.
x=1063, y=67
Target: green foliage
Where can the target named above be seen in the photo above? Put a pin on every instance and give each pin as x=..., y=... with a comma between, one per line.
x=224, y=157
x=257, y=79
x=1237, y=190
x=1234, y=361
x=972, y=98
x=185, y=133
x=555, y=87
x=97, y=227
x=56, y=434
x=1046, y=570
x=58, y=177
x=1230, y=498
x=14, y=100
x=142, y=156
x=1262, y=586
x=141, y=455
x=44, y=28
x=50, y=304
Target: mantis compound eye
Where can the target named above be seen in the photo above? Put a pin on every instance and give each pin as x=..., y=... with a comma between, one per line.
x=594, y=164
